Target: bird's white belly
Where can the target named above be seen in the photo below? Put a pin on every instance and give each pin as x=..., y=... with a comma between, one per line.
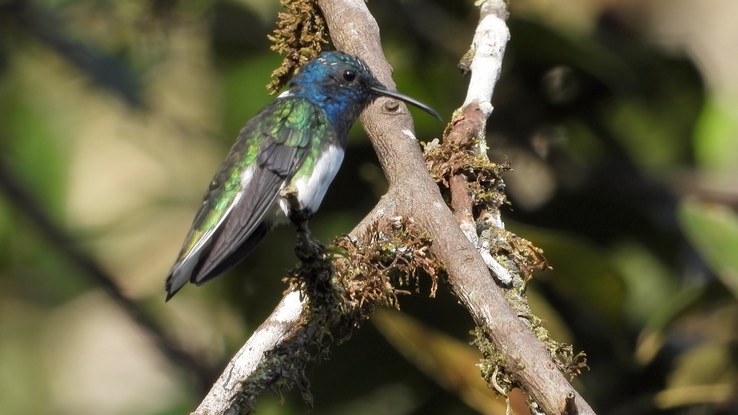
x=311, y=188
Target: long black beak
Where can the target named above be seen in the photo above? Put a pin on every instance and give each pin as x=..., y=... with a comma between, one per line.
x=402, y=97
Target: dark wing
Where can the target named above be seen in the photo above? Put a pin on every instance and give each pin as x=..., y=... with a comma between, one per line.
x=233, y=217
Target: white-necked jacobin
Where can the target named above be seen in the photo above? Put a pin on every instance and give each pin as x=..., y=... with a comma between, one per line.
x=298, y=140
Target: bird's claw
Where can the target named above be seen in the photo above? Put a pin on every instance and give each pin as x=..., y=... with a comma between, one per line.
x=308, y=249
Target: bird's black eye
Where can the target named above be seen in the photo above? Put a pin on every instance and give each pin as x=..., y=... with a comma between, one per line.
x=349, y=75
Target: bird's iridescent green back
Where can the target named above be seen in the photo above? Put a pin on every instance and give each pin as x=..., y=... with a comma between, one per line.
x=282, y=141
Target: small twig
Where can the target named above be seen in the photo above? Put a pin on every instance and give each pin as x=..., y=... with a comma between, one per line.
x=484, y=60
x=487, y=51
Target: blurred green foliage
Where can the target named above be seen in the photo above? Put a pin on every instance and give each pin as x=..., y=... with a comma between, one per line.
x=114, y=115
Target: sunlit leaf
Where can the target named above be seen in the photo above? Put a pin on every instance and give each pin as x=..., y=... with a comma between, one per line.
x=713, y=230
x=581, y=272
x=715, y=141
x=448, y=361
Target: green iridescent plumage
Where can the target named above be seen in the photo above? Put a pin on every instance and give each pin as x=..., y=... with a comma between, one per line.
x=297, y=141
x=274, y=146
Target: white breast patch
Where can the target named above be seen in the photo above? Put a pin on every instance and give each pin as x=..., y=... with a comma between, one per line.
x=312, y=188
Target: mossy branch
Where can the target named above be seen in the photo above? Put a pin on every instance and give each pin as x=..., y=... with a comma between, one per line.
x=463, y=243
x=300, y=35
x=329, y=296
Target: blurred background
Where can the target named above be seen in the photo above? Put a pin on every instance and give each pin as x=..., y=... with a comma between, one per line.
x=620, y=120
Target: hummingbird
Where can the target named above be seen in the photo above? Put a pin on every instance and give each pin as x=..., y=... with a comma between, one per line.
x=296, y=142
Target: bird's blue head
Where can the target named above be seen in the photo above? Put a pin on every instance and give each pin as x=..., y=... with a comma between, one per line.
x=343, y=86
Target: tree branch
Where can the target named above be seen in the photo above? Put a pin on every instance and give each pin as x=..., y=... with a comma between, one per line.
x=281, y=325
x=413, y=193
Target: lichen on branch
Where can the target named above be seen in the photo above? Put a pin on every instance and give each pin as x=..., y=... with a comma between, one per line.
x=458, y=153
x=300, y=35
x=462, y=154
x=391, y=257
x=341, y=288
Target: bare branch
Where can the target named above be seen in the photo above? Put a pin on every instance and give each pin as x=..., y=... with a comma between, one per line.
x=279, y=326
x=487, y=51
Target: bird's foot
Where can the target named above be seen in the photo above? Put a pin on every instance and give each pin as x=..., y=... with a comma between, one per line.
x=297, y=214
x=307, y=248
